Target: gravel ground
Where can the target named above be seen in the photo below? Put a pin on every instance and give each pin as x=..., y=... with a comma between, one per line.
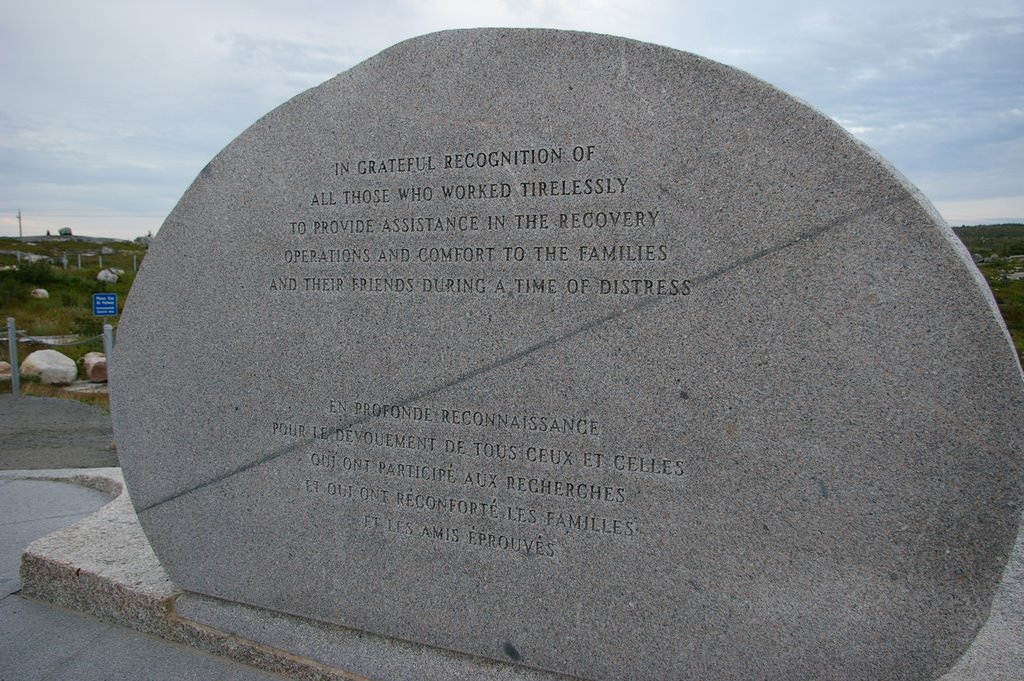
x=47, y=432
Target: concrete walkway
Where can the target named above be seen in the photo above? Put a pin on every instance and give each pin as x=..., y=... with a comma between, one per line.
x=45, y=432
x=39, y=641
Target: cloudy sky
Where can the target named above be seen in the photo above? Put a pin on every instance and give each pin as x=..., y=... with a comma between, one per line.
x=110, y=108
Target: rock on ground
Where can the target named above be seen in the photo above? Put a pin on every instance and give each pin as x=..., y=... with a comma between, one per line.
x=94, y=367
x=51, y=367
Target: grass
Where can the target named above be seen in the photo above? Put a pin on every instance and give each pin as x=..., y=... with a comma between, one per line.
x=993, y=240
x=997, y=245
x=68, y=310
x=37, y=389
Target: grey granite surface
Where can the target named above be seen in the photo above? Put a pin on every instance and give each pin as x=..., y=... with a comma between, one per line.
x=580, y=353
x=104, y=567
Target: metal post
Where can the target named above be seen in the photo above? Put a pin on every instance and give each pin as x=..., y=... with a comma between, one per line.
x=135, y=263
x=108, y=344
x=12, y=351
x=101, y=262
x=79, y=261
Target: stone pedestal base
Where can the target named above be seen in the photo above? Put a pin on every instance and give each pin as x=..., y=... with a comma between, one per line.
x=104, y=566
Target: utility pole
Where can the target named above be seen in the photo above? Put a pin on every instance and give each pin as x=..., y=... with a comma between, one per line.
x=19, y=223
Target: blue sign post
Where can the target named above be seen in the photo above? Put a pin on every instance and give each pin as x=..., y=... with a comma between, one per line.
x=104, y=304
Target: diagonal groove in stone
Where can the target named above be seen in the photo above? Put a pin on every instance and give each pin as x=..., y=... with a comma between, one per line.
x=536, y=347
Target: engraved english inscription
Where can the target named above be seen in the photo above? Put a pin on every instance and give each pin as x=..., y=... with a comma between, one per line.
x=350, y=237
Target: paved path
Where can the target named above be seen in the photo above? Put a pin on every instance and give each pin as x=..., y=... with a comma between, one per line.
x=42, y=642
x=47, y=432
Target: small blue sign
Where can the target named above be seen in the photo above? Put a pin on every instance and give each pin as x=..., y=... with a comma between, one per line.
x=104, y=304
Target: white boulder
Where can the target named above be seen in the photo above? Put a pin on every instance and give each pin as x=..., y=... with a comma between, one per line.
x=51, y=367
x=107, y=276
x=5, y=371
x=94, y=367
x=106, y=250
x=40, y=293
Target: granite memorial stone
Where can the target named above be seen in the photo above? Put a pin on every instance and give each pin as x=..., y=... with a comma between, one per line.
x=578, y=353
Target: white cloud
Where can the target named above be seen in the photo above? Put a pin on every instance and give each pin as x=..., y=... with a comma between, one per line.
x=981, y=211
x=141, y=96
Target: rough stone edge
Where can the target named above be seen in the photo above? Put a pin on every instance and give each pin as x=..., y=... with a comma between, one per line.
x=103, y=566
x=98, y=565
x=997, y=651
x=106, y=480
